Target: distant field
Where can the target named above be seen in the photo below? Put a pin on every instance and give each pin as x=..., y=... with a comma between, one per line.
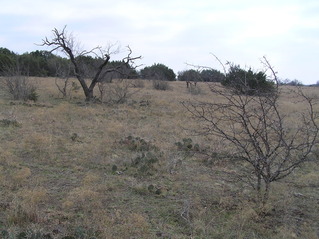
x=71, y=169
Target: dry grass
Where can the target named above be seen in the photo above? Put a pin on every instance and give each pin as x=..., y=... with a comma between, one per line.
x=66, y=171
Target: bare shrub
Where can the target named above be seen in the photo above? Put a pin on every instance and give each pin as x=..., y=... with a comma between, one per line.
x=63, y=85
x=266, y=146
x=160, y=85
x=63, y=71
x=117, y=92
x=102, y=89
x=20, y=87
x=194, y=89
x=138, y=83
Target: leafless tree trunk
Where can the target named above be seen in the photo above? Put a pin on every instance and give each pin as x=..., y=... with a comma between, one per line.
x=260, y=132
x=66, y=43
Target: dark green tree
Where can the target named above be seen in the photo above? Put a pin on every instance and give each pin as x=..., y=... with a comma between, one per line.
x=59, y=67
x=211, y=75
x=158, y=72
x=33, y=65
x=189, y=75
x=7, y=60
x=38, y=63
x=247, y=82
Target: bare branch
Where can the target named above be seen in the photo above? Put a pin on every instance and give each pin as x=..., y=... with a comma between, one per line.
x=66, y=43
x=224, y=68
x=268, y=66
x=259, y=131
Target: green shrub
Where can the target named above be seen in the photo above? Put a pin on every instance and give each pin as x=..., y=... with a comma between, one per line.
x=189, y=75
x=33, y=95
x=187, y=145
x=30, y=233
x=145, y=163
x=5, y=234
x=9, y=123
x=137, y=144
x=114, y=168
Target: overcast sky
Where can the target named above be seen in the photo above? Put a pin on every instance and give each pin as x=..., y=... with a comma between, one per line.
x=175, y=32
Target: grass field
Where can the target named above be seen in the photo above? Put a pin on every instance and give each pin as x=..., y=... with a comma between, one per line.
x=70, y=169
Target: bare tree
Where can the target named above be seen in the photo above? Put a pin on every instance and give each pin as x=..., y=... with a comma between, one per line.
x=63, y=80
x=17, y=84
x=65, y=42
x=260, y=132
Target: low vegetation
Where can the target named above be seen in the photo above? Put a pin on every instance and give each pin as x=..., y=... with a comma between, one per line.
x=74, y=169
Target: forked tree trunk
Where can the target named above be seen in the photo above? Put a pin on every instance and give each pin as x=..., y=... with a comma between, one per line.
x=89, y=96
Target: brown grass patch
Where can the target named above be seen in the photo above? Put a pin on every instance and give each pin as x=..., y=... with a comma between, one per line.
x=58, y=174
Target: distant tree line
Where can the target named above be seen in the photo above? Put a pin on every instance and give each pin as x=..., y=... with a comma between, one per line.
x=161, y=72
x=206, y=75
x=36, y=63
x=294, y=82
x=47, y=64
